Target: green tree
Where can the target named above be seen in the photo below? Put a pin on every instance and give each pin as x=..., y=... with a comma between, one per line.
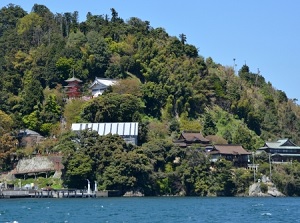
x=51, y=110
x=32, y=94
x=242, y=136
x=32, y=121
x=128, y=86
x=65, y=66
x=79, y=168
x=115, y=71
x=6, y=123
x=97, y=54
x=175, y=48
x=79, y=157
x=8, y=143
x=209, y=126
x=114, y=15
x=30, y=27
x=113, y=108
x=41, y=10
x=253, y=122
x=76, y=39
x=136, y=25
x=72, y=111
x=128, y=171
x=9, y=16
x=7, y=149
x=155, y=97
x=222, y=180
x=191, y=51
x=242, y=179
x=194, y=173
x=182, y=38
x=162, y=155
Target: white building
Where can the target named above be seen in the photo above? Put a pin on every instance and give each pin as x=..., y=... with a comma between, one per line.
x=127, y=130
x=100, y=85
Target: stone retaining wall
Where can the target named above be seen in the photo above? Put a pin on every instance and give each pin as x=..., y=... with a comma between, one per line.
x=36, y=164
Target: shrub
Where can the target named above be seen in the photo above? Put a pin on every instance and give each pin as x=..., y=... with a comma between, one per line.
x=263, y=187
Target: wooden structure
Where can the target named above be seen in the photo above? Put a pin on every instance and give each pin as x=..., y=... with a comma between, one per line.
x=283, y=150
x=37, y=166
x=235, y=153
x=190, y=138
x=73, y=89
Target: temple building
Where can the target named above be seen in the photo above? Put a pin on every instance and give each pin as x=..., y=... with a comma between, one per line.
x=100, y=85
x=234, y=153
x=282, y=150
x=191, y=138
x=73, y=89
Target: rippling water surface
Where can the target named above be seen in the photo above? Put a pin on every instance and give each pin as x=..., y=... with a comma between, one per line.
x=158, y=209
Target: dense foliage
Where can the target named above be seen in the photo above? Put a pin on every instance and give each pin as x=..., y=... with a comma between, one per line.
x=164, y=84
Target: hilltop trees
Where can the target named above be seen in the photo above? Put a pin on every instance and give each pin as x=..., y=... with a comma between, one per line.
x=42, y=49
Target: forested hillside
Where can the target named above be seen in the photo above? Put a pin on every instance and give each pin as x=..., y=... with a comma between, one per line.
x=164, y=84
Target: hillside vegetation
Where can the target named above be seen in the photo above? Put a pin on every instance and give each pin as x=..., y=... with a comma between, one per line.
x=164, y=84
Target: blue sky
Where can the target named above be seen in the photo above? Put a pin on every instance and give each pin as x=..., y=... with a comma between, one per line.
x=264, y=34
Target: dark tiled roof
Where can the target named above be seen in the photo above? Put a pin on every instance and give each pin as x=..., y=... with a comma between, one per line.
x=229, y=149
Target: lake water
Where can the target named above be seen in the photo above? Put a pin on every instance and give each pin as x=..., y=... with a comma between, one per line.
x=152, y=209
